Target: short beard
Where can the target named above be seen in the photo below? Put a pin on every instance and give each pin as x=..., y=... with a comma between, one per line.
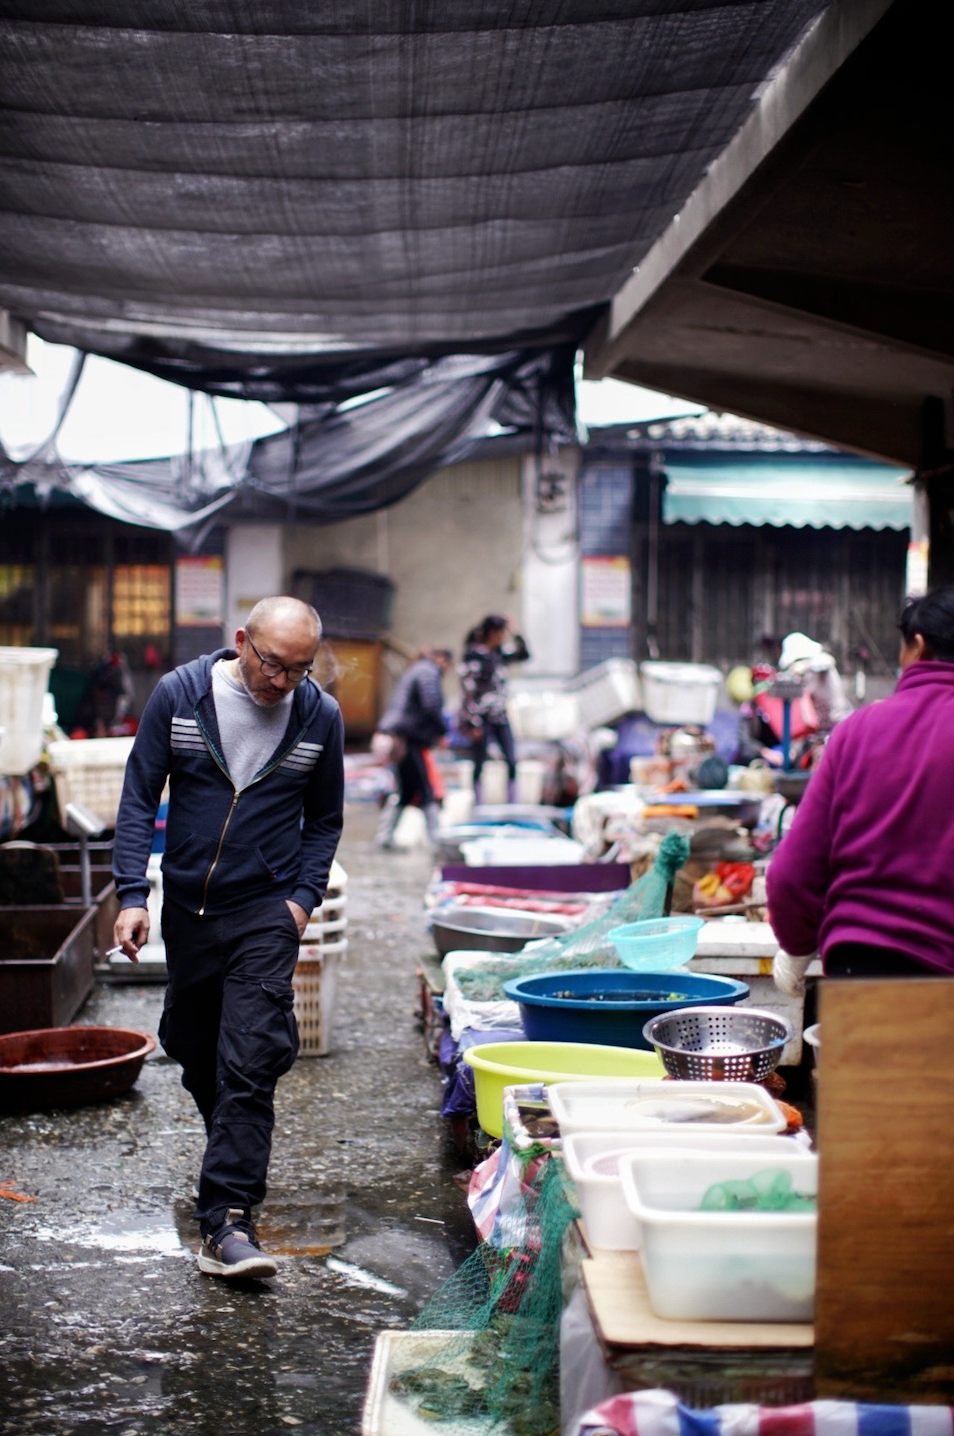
x=258, y=698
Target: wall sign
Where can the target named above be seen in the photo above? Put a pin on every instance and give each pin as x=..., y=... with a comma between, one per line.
x=200, y=592
x=606, y=592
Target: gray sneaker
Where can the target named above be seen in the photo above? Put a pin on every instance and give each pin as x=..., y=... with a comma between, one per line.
x=231, y=1249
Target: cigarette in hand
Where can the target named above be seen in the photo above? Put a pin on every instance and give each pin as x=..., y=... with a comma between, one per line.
x=118, y=951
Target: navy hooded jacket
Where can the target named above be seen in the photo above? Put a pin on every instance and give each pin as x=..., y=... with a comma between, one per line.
x=226, y=850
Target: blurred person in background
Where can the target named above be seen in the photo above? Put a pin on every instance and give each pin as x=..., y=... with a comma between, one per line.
x=488, y=650
x=413, y=723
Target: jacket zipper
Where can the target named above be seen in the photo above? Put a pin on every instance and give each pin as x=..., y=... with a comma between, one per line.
x=218, y=853
x=235, y=797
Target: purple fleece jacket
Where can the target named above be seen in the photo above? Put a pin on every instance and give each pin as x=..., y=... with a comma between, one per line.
x=869, y=857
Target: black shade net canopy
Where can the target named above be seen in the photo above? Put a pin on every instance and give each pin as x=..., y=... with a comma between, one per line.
x=403, y=217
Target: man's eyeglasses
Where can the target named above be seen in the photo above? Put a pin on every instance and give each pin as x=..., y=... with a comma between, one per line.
x=271, y=669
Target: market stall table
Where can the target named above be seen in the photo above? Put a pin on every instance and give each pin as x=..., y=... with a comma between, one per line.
x=703, y=1362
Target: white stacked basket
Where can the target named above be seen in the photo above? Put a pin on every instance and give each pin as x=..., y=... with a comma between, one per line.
x=323, y=947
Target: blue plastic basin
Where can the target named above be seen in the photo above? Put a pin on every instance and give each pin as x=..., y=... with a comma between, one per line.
x=611, y=1005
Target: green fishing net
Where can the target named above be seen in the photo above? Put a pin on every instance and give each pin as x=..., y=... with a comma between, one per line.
x=486, y=1355
x=586, y=946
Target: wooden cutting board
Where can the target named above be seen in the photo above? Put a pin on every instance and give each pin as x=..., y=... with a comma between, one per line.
x=884, y=1315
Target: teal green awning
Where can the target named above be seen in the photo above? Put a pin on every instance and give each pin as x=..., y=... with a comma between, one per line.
x=803, y=492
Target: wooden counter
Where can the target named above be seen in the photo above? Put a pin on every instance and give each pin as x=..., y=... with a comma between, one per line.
x=706, y=1363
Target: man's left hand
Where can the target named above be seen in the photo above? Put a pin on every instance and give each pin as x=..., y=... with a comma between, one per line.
x=300, y=916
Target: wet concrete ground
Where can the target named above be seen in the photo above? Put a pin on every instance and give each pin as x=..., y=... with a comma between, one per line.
x=106, y=1324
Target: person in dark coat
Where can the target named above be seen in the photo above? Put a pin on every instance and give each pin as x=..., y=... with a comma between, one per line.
x=488, y=650
x=253, y=752
x=414, y=722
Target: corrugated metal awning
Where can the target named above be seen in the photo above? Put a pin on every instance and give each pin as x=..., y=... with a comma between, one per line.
x=815, y=493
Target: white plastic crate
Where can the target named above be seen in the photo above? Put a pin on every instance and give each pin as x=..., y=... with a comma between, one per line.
x=544, y=716
x=328, y=922
x=90, y=771
x=315, y=981
x=680, y=692
x=24, y=679
x=607, y=692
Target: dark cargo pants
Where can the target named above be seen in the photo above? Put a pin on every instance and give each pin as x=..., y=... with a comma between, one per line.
x=228, y=1020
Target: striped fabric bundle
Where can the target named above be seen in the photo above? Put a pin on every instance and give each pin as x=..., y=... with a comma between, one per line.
x=661, y=1413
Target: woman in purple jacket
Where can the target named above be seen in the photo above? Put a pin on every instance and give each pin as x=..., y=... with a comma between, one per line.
x=865, y=874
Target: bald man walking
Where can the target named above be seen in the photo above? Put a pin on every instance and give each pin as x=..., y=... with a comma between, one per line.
x=253, y=751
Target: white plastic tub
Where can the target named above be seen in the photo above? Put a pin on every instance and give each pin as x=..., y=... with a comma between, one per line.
x=24, y=680
x=659, y=1105
x=721, y=1265
x=592, y=1161
x=680, y=692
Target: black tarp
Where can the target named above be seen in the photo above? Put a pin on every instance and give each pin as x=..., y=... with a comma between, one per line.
x=342, y=458
x=278, y=199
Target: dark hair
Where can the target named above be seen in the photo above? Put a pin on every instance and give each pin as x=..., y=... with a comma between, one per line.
x=931, y=615
x=491, y=624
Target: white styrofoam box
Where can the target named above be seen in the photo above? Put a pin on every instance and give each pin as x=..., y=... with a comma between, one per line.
x=531, y=773
x=464, y=773
x=521, y=852
x=545, y=716
x=385, y=1411
x=721, y=1265
x=679, y=692
x=608, y=691
x=745, y=951
x=457, y=808
x=493, y=782
x=731, y=1109
x=592, y=1161
x=24, y=679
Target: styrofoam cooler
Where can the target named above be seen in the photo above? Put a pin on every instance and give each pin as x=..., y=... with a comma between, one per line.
x=493, y=782
x=680, y=692
x=24, y=680
x=531, y=774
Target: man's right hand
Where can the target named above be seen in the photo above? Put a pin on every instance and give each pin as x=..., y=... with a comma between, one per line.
x=131, y=931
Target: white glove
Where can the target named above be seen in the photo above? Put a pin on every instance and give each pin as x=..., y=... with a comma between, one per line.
x=789, y=973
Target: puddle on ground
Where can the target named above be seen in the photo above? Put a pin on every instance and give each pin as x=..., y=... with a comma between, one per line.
x=359, y=1277
x=291, y=1228
x=144, y=1233
x=297, y=1227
